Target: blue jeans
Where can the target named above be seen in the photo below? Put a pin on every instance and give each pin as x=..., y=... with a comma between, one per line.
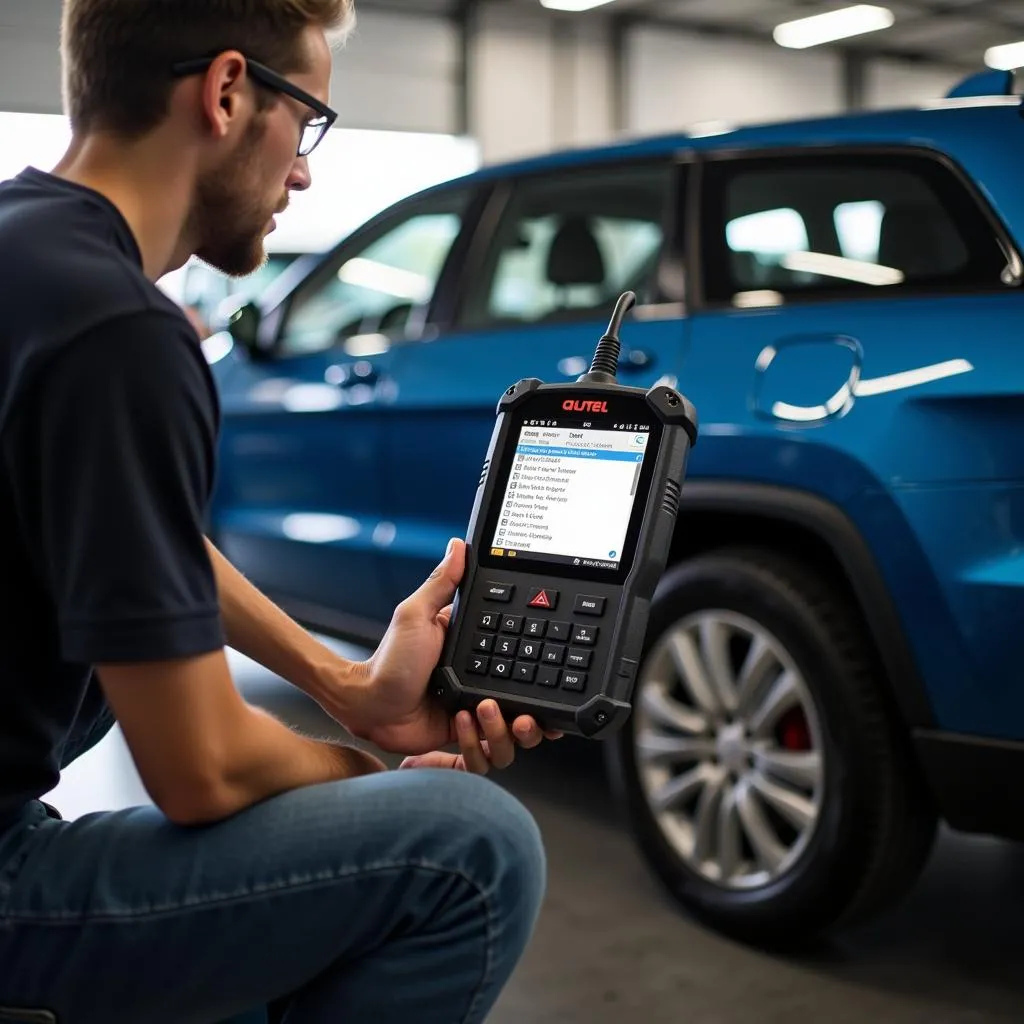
x=398, y=897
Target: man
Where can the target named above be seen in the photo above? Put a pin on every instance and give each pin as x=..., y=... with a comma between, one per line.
x=273, y=869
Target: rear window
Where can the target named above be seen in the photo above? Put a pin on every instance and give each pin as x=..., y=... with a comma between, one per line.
x=815, y=226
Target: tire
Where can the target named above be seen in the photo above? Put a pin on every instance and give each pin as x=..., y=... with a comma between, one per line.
x=855, y=821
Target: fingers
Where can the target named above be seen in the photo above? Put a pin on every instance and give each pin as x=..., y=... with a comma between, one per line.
x=436, y=759
x=437, y=591
x=487, y=742
x=469, y=744
x=500, y=744
x=527, y=732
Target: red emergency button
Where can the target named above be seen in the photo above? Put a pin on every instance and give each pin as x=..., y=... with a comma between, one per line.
x=543, y=598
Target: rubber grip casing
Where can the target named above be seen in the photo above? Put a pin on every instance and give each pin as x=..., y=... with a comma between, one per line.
x=606, y=706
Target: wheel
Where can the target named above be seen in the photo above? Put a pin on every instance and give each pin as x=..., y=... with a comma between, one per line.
x=767, y=778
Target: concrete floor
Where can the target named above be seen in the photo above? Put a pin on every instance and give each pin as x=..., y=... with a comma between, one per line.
x=611, y=948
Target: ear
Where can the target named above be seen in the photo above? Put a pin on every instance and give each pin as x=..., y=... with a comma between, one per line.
x=223, y=92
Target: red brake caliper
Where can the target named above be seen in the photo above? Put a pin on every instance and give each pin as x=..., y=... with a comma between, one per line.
x=794, y=733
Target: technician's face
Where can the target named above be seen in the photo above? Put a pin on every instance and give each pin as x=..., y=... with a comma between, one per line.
x=236, y=202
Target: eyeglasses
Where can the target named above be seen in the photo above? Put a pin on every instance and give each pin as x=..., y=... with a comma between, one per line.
x=314, y=129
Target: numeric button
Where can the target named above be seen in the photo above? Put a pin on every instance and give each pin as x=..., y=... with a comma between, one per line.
x=483, y=642
x=578, y=658
x=524, y=672
x=534, y=627
x=574, y=680
x=554, y=654
x=547, y=676
x=489, y=620
x=505, y=645
x=512, y=624
x=559, y=630
x=586, y=635
x=529, y=649
x=501, y=668
x=478, y=664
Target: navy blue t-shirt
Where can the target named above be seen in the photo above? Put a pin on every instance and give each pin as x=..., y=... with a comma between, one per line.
x=108, y=426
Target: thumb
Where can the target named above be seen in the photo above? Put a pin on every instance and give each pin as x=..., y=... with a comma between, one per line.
x=436, y=593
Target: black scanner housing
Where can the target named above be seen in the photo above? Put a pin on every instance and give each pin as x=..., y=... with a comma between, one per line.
x=604, y=705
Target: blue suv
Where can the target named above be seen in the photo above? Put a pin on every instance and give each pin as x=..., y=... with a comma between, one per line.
x=832, y=664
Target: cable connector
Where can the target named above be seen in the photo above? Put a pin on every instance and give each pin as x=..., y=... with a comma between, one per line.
x=604, y=368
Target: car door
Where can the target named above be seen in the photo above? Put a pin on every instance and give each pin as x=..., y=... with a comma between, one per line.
x=300, y=500
x=553, y=253
x=856, y=339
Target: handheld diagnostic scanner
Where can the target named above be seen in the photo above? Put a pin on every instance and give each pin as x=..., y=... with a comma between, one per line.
x=569, y=535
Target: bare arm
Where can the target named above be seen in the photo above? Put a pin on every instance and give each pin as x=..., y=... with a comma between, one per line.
x=257, y=628
x=202, y=752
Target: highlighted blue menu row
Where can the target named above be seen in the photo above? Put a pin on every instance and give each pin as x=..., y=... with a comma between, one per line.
x=579, y=453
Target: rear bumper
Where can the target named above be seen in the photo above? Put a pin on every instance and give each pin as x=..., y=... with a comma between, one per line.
x=977, y=784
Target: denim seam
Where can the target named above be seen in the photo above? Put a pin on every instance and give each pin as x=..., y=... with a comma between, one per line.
x=309, y=882
x=489, y=958
x=9, y=871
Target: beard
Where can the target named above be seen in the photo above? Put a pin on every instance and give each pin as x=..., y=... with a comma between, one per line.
x=229, y=215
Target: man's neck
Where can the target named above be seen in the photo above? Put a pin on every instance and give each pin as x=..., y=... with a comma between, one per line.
x=135, y=178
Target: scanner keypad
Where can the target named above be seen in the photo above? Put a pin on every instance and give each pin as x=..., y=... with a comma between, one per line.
x=531, y=648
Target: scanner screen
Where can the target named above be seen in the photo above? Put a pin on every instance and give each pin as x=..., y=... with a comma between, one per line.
x=570, y=494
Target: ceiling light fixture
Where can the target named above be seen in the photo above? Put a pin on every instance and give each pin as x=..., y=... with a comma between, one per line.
x=572, y=5
x=1008, y=57
x=826, y=28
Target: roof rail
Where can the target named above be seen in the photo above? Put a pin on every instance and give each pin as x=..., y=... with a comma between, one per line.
x=984, y=83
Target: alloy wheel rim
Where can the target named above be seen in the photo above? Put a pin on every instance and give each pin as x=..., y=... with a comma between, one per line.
x=729, y=749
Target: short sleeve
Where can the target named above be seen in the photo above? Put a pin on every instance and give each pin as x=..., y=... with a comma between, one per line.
x=114, y=453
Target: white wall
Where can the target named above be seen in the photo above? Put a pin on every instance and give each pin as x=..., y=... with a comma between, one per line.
x=895, y=84
x=395, y=72
x=536, y=82
x=512, y=76
x=676, y=80
x=398, y=72
x=30, y=56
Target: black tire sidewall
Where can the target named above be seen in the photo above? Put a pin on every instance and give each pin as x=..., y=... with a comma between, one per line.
x=815, y=890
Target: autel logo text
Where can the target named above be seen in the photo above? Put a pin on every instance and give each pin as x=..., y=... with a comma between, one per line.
x=579, y=405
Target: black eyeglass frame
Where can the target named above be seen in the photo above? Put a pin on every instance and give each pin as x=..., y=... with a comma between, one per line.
x=278, y=83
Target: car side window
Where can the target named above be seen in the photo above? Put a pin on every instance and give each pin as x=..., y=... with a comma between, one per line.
x=842, y=225
x=382, y=282
x=568, y=244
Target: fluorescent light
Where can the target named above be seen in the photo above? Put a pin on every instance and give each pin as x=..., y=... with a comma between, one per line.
x=842, y=268
x=1007, y=57
x=825, y=28
x=572, y=5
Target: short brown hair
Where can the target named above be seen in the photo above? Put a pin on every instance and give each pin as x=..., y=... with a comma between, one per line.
x=118, y=54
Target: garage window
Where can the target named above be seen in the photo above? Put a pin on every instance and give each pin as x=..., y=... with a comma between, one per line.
x=843, y=225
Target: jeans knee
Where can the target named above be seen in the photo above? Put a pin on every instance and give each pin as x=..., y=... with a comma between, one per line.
x=499, y=844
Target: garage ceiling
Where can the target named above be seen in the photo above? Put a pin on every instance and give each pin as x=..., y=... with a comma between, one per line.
x=955, y=32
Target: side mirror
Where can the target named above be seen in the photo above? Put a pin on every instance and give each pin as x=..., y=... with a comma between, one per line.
x=244, y=327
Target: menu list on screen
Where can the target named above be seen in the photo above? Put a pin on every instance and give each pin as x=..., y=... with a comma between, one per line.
x=570, y=494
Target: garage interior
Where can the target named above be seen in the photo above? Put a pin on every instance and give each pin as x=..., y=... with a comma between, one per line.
x=475, y=82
